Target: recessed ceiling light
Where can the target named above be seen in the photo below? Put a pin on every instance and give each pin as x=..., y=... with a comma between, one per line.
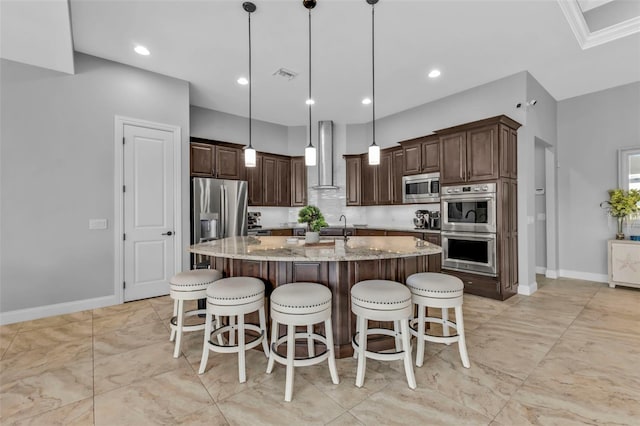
x=243, y=81
x=366, y=101
x=141, y=50
x=310, y=102
x=434, y=73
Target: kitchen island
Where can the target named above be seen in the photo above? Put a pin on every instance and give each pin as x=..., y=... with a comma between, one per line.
x=334, y=263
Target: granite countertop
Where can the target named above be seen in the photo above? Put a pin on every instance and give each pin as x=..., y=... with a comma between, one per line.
x=278, y=249
x=382, y=227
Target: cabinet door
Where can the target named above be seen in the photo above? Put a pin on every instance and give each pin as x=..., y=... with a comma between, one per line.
x=353, y=180
x=369, y=182
x=254, y=179
x=298, y=182
x=412, y=158
x=201, y=159
x=435, y=260
x=398, y=172
x=431, y=156
x=269, y=179
x=370, y=232
x=508, y=237
x=282, y=232
x=385, y=178
x=482, y=154
x=283, y=182
x=453, y=157
x=228, y=162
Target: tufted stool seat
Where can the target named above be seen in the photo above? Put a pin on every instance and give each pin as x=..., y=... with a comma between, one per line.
x=234, y=298
x=188, y=285
x=301, y=304
x=382, y=300
x=435, y=290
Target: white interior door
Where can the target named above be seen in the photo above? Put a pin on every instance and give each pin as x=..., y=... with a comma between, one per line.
x=148, y=213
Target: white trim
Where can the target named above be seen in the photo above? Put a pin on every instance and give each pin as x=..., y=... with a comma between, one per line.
x=120, y=122
x=551, y=274
x=28, y=314
x=583, y=34
x=587, y=276
x=528, y=290
x=541, y=270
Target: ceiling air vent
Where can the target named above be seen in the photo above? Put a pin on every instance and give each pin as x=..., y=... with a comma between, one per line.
x=285, y=73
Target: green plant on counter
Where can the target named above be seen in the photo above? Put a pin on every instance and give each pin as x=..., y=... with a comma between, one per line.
x=312, y=216
x=622, y=203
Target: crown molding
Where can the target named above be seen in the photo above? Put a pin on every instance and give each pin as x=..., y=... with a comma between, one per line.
x=588, y=39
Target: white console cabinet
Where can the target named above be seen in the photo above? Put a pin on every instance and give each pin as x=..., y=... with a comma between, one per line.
x=624, y=263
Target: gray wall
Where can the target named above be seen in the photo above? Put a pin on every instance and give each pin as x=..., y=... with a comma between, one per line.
x=591, y=128
x=220, y=126
x=539, y=183
x=57, y=172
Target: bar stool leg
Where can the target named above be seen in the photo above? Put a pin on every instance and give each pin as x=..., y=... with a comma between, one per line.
x=172, y=337
x=263, y=327
x=462, y=343
x=408, y=365
x=311, y=351
x=355, y=353
x=217, y=322
x=274, y=337
x=291, y=353
x=232, y=330
x=179, y=323
x=362, y=347
x=208, y=325
x=420, y=338
x=445, y=323
x=242, y=374
x=396, y=330
x=328, y=330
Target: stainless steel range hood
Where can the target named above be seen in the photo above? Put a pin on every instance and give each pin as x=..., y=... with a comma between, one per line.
x=325, y=155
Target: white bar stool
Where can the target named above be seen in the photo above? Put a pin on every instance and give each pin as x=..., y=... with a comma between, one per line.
x=301, y=304
x=382, y=300
x=188, y=285
x=435, y=290
x=234, y=297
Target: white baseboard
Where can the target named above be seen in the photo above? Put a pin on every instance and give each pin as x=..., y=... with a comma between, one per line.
x=541, y=270
x=57, y=309
x=587, y=276
x=528, y=290
x=551, y=274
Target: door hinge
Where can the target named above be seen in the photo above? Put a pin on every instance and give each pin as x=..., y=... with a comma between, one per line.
x=124, y=284
x=123, y=140
x=124, y=237
x=124, y=188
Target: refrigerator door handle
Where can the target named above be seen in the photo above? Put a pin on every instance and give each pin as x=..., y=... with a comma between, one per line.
x=223, y=217
x=226, y=212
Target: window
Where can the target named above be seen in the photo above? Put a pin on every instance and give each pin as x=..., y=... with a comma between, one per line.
x=629, y=168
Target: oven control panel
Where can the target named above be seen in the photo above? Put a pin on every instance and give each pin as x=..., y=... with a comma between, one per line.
x=486, y=188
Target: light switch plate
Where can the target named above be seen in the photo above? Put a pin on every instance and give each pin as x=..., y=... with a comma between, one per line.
x=97, y=223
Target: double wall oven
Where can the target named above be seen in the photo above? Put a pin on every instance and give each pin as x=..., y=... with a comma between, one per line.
x=469, y=228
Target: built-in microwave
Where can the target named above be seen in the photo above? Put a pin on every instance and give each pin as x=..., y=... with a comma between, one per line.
x=424, y=188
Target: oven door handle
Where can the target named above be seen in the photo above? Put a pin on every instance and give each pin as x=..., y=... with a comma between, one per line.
x=467, y=198
x=469, y=236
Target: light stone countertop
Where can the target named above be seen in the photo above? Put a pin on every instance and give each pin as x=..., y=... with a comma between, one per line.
x=278, y=249
x=375, y=227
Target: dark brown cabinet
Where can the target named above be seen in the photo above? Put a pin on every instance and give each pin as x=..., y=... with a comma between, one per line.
x=254, y=180
x=421, y=155
x=385, y=178
x=216, y=160
x=353, y=185
x=283, y=182
x=298, y=182
x=398, y=172
x=508, y=237
x=484, y=150
x=369, y=182
x=276, y=180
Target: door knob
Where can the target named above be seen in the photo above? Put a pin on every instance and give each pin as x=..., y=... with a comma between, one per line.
x=167, y=233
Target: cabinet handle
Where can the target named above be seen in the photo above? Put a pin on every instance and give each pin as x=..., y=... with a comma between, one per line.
x=168, y=233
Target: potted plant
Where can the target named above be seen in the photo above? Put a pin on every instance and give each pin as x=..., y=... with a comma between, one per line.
x=621, y=204
x=312, y=216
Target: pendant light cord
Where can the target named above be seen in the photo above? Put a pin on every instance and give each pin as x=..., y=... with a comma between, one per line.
x=373, y=73
x=309, y=98
x=250, y=80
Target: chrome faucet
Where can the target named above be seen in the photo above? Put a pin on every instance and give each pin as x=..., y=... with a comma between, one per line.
x=344, y=231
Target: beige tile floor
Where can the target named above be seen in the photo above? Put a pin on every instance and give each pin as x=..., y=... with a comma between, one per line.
x=569, y=354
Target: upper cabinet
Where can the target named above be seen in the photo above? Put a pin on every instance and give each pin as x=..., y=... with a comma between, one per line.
x=375, y=185
x=254, y=179
x=216, y=160
x=421, y=155
x=479, y=151
x=298, y=182
x=354, y=175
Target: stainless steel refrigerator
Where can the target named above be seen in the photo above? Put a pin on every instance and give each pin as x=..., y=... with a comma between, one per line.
x=218, y=209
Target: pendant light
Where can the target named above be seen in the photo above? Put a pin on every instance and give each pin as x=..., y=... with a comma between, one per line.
x=249, y=151
x=310, y=151
x=374, y=149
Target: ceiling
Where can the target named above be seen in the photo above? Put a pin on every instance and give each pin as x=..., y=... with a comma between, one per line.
x=472, y=42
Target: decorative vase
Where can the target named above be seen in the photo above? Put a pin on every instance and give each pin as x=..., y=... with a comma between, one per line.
x=620, y=233
x=312, y=237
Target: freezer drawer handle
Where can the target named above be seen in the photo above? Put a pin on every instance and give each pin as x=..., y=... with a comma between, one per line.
x=167, y=233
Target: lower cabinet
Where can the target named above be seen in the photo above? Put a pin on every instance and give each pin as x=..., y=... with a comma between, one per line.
x=624, y=263
x=288, y=232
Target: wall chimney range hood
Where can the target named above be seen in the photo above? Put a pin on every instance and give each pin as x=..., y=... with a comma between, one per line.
x=325, y=155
